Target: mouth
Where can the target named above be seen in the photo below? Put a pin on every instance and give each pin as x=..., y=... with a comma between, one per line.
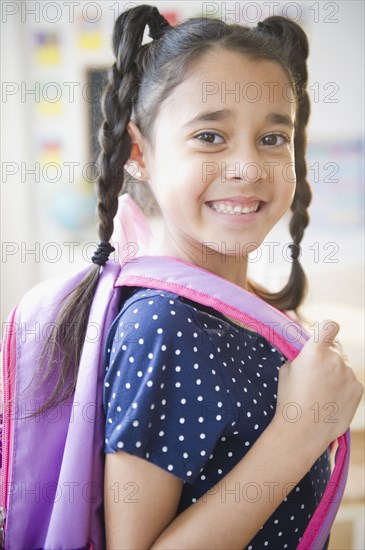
x=236, y=208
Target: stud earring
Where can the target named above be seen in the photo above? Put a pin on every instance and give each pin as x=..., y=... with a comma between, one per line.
x=133, y=169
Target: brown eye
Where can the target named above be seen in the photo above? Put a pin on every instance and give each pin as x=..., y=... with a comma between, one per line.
x=273, y=140
x=208, y=138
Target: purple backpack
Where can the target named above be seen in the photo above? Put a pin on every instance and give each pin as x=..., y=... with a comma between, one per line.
x=52, y=465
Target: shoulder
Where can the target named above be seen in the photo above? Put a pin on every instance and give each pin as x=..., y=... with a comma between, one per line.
x=153, y=305
x=146, y=314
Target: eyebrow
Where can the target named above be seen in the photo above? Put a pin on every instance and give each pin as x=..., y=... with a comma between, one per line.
x=207, y=116
x=279, y=118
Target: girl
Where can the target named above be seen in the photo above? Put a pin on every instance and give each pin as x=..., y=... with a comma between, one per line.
x=194, y=401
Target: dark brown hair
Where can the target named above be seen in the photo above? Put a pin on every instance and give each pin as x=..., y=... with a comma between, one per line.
x=141, y=78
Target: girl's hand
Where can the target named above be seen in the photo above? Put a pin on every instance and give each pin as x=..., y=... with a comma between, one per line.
x=318, y=392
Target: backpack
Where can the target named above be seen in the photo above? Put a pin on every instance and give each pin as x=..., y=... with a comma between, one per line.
x=51, y=493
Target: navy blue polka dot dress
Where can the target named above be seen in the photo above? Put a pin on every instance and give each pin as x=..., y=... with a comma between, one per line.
x=190, y=391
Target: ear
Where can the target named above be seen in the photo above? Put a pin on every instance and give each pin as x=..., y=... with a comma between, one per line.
x=137, y=162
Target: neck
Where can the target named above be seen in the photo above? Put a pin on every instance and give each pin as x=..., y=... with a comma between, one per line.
x=231, y=266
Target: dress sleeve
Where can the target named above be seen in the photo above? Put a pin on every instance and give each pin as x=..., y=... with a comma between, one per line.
x=161, y=395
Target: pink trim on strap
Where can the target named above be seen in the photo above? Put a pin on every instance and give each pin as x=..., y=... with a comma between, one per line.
x=197, y=296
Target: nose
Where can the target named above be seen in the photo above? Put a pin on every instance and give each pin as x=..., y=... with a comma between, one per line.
x=244, y=167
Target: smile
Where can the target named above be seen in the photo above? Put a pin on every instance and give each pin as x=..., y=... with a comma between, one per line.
x=234, y=209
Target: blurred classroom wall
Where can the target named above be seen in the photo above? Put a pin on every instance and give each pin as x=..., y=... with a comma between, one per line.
x=49, y=52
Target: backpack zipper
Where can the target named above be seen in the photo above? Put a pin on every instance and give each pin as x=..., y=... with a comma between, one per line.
x=8, y=356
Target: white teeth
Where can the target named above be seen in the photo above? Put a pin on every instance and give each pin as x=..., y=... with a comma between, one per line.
x=229, y=209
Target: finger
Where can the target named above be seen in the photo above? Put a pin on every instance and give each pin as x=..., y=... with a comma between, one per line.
x=327, y=331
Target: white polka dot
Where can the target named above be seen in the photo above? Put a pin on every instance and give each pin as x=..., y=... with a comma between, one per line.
x=107, y=384
x=183, y=401
x=217, y=388
x=198, y=381
x=128, y=385
x=196, y=365
x=202, y=436
x=203, y=453
x=135, y=423
x=178, y=368
x=131, y=359
x=161, y=433
x=179, y=334
x=149, y=383
x=163, y=347
x=181, y=420
x=141, y=341
x=185, y=455
x=120, y=444
x=200, y=398
x=170, y=467
x=218, y=417
x=178, y=384
x=181, y=438
x=172, y=312
x=164, y=449
x=189, y=473
x=154, y=317
x=136, y=325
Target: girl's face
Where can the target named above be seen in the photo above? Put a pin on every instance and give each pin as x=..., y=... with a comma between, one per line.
x=222, y=168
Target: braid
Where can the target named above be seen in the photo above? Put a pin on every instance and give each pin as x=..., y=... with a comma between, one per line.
x=295, y=48
x=117, y=106
x=69, y=330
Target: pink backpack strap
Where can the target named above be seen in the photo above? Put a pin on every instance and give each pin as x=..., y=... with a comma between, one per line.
x=202, y=286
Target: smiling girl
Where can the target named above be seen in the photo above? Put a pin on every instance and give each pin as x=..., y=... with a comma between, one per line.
x=193, y=399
